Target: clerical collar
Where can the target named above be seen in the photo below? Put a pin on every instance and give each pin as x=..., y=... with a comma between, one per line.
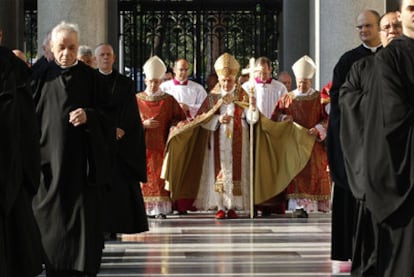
x=259, y=81
x=297, y=93
x=224, y=93
x=372, y=49
x=105, y=73
x=157, y=93
x=182, y=83
x=66, y=66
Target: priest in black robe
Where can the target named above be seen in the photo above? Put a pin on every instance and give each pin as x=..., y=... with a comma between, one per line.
x=390, y=195
x=75, y=159
x=360, y=119
x=20, y=167
x=123, y=205
x=343, y=203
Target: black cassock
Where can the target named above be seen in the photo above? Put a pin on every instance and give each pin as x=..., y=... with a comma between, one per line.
x=359, y=114
x=75, y=166
x=343, y=204
x=123, y=205
x=20, y=247
x=390, y=154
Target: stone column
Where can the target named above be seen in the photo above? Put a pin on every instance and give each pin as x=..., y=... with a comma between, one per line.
x=90, y=15
x=325, y=34
x=113, y=27
x=12, y=23
x=295, y=34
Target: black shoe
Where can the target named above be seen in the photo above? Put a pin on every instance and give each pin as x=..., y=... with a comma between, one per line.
x=182, y=212
x=266, y=212
x=300, y=213
x=109, y=236
x=160, y=216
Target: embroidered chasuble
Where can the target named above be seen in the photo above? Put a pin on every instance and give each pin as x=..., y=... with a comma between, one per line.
x=168, y=112
x=281, y=152
x=313, y=182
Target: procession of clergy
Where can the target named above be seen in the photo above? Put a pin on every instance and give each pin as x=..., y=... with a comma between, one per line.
x=105, y=150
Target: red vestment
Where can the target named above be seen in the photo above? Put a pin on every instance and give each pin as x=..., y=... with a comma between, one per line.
x=168, y=112
x=313, y=182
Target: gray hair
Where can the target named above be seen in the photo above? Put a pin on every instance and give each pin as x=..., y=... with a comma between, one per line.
x=85, y=50
x=46, y=40
x=103, y=44
x=64, y=26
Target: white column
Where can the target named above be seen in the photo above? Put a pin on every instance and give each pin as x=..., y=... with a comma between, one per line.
x=90, y=15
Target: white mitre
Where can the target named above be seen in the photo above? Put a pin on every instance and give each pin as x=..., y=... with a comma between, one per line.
x=304, y=68
x=154, y=68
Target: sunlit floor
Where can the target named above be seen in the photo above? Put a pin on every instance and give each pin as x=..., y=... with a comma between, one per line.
x=198, y=245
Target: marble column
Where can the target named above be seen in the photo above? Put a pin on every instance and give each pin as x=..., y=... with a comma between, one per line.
x=90, y=15
x=12, y=23
x=322, y=29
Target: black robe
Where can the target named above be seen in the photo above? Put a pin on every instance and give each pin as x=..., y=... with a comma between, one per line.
x=75, y=165
x=359, y=115
x=38, y=67
x=390, y=195
x=343, y=203
x=19, y=177
x=123, y=205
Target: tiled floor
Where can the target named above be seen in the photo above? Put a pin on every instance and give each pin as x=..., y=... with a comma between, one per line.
x=198, y=245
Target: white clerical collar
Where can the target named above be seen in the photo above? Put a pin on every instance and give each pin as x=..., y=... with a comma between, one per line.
x=66, y=66
x=157, y=93
x=297, y=93
x=223, y=92
x=373, y=49
x=105, y=73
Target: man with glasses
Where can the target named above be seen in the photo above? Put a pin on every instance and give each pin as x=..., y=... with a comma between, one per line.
x=360, y=119
x=391, y=189
x=343, y=202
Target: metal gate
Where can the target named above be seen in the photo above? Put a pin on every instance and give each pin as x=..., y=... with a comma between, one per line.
x=197, y=30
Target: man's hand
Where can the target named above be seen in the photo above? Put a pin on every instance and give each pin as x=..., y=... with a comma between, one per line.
x=78, y=117
x=225, y=119
x=184, y=107
x=151, y=123
x=313, y=132
x=119, y=133
x=288, y=118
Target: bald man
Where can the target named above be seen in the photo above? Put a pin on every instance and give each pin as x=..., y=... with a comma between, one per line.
x=367, y=27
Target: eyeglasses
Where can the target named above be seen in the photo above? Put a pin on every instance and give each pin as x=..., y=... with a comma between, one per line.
x=359, y=27
x=387, y=27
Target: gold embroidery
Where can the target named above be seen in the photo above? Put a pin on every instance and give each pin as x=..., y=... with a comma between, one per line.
x=237, y=189
x=219, y=187
x=228, y=98
x=304, y=98
x=229, y=131
x=144, y=96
